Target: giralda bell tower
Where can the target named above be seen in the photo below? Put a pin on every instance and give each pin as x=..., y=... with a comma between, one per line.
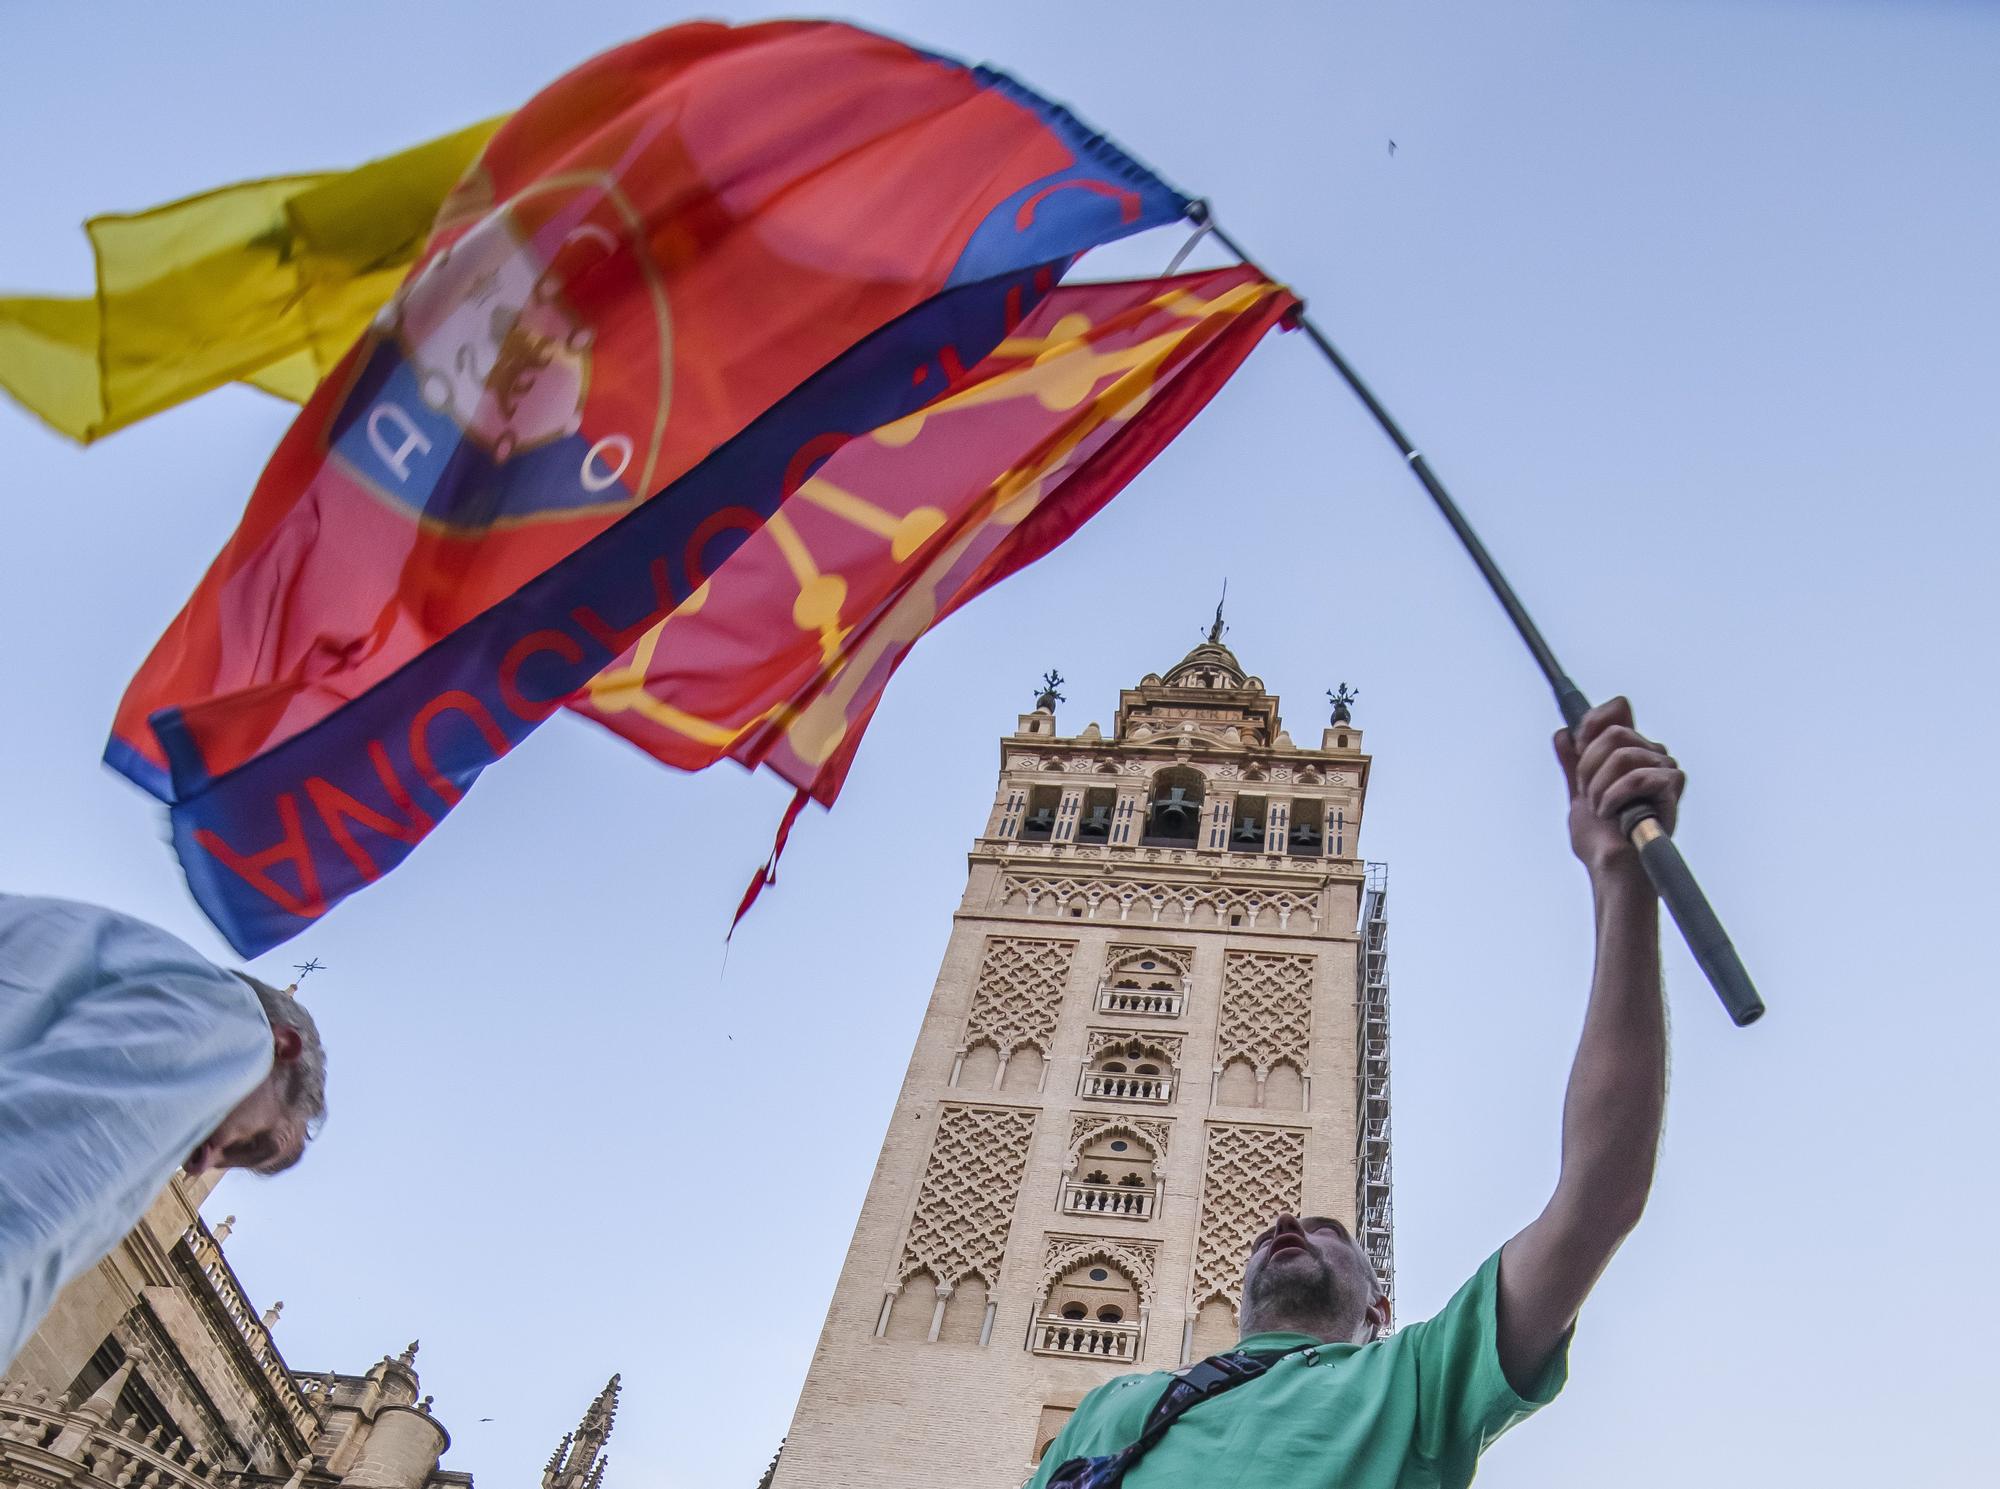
x=1162, y=1016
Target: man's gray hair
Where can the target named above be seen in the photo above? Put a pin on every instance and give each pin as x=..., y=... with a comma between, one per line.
x=303, y=1084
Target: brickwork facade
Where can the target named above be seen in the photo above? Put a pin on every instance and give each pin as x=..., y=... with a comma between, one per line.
x=1142, y=1040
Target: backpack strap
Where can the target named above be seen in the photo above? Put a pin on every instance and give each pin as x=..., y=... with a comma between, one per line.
x=1200, y=1382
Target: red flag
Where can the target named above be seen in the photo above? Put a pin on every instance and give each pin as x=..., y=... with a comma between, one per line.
x=654, y=251
x=695, y=264
x=779, y=658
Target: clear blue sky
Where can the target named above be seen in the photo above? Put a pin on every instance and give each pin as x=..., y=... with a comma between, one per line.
x=1695, y=306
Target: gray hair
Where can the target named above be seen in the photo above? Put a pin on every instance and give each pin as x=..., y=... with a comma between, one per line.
x=302, y=1082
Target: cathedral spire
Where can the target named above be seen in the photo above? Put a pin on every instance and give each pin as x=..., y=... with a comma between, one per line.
x=595, y=1429
x=578, y=1461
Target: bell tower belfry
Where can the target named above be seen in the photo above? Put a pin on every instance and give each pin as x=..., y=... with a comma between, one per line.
x=1161, y=1017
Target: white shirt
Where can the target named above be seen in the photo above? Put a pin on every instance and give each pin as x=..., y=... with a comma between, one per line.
x=121, y=1049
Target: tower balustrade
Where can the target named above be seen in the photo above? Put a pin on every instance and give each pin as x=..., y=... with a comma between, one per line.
x=1059, y=1336
x=1080, y=1197
x=1110, y=1086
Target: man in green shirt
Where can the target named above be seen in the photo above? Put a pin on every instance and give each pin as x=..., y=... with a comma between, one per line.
x=1345, y=1407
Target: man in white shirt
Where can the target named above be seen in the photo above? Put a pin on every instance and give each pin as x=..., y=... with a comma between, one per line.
x=124, y=1055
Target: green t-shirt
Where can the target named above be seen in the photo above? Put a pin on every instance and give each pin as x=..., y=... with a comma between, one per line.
x=1412, y=1411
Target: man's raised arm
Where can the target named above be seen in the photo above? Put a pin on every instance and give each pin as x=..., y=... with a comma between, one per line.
x=1617, y=1087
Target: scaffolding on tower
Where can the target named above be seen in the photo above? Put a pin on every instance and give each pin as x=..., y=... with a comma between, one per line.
x=1374, y=1211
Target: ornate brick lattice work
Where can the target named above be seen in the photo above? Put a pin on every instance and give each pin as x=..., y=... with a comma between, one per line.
x=1248, y=1175
x=1088, y=1127
x=1266, y=1010
x=1019, y=993
x=1127, y=899
x=1136, y=1259
x=968, y=1194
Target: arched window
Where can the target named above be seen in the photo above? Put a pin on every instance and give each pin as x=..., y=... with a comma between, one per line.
x=1135, y=1070
x=1284, y=1088
x=965, y=1314
x=1238, y=1085
x=1112, y=1174
x=1143, y=983
x=1040, y=821
x=910, y=1315
x=1307, y=837
x=1173, y=811
x=1054, y=1419
x=1086, y=1313
x=1246, y=834
x=1094, y=823
x=1214, y=1328
x=980, y=1069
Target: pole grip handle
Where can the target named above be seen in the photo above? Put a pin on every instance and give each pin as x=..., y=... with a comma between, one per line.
x=1705, y=937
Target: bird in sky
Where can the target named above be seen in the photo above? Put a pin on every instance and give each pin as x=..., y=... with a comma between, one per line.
x=1392, y=147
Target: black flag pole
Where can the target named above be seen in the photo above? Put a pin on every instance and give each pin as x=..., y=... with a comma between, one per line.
x=1640, y=822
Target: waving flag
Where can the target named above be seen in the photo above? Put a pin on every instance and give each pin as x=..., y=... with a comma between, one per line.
x=650, y=324
x=895, y=531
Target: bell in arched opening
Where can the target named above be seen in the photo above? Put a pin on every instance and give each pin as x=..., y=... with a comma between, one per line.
x=1173, y=816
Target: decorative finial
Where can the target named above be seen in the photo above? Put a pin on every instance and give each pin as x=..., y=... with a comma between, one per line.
x=424, y=1405
x=409, y=1354
x=222, y=1231
x=271, y=1313
x=1343, y=701
x=305, y=969
x=1215, y=631
x=1049, y=697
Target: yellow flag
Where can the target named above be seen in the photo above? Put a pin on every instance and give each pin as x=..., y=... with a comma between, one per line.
x=266, y=282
